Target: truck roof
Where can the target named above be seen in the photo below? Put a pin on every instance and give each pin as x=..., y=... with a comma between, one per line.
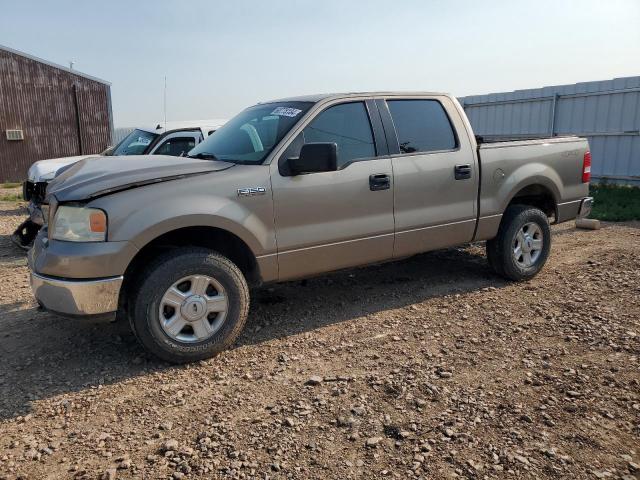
x=324, y=96
x=183, y=124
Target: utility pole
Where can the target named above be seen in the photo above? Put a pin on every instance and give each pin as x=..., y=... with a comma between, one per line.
x=165, y=103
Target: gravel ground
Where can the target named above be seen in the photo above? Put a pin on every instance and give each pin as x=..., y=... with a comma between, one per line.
x=10, y=191
x=432, y=367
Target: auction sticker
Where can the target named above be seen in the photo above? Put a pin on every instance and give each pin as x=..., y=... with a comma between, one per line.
x=286, y=111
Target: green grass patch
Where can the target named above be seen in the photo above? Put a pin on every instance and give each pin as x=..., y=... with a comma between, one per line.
x=615, y=203
x=10, y=185
x=11, y=197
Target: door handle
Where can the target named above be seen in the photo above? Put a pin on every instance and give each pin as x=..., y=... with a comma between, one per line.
x=379, y=181
x=462, y=172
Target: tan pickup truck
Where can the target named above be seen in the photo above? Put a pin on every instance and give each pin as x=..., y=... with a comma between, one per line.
x=289, y=189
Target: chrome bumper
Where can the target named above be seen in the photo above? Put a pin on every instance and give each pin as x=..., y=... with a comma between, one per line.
x=585, y=207
x=77, y=297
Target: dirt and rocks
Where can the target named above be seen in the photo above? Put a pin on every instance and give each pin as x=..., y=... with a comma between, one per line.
x=10, y=191
x=431, y=367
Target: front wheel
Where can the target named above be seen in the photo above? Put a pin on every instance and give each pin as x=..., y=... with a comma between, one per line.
x=192, y=304
x=522, y=245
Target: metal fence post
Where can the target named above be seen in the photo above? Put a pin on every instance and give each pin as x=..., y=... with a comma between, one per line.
x=552, y=128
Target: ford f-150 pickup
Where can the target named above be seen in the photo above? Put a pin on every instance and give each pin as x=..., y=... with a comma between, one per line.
x=290, y=189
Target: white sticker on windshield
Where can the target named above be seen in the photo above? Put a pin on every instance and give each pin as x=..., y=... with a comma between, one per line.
x=286, y=111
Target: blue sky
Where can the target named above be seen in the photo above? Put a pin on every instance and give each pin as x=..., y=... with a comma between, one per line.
x=220, y=57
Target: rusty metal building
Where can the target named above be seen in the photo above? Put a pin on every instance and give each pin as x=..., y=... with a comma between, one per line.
x=48, y=111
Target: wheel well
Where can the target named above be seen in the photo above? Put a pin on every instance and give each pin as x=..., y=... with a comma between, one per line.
x=222, y=241
x=537, y=196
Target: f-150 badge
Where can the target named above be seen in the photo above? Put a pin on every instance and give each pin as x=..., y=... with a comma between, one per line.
x=251, y=191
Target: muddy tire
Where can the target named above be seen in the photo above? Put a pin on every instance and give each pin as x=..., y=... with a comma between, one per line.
x=191, y=305
x=522, y=245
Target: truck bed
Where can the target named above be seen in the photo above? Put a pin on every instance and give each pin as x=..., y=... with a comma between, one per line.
x=553, y=165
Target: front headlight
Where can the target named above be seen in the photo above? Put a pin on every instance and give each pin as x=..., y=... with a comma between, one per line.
x=79, y=224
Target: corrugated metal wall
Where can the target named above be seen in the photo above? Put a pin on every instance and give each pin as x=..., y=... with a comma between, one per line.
x=44, y=101
x=607, y=112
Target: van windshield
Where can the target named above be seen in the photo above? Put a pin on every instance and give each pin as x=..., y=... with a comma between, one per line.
x=135, y=143
x=251, y=135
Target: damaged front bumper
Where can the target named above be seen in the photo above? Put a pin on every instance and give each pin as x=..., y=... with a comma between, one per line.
x=26, y=232
x=78, y=279
x=38, y=213
x=77, y=297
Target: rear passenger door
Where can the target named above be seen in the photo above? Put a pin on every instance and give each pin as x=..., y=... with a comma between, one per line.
x=331, y=220
x=435, y=175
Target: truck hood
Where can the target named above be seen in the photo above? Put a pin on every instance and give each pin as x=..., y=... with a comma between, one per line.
x=99, y=176
x=45, y=170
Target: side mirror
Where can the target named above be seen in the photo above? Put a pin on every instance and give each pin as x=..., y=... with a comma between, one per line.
x=314, y=158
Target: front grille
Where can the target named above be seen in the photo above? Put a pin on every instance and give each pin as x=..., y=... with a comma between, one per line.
x=27, y=190
x=34, y=191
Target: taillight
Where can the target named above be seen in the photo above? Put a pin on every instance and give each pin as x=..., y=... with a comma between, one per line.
x=586, y=167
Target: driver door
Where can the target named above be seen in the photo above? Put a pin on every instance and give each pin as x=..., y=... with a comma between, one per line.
x=331, y=220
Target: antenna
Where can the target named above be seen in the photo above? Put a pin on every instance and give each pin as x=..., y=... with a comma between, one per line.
x=165, y=103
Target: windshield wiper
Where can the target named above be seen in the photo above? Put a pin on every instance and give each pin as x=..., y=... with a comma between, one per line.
x=204, y=156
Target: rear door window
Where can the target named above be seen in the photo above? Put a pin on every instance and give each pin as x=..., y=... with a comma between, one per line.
x=422, y=126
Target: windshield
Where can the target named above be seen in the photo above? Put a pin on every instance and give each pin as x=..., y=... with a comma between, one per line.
x=135, y=143
x=251, y=135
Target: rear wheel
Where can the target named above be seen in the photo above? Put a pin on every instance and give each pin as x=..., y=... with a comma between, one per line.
x=192, y=304
x=522, y=245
